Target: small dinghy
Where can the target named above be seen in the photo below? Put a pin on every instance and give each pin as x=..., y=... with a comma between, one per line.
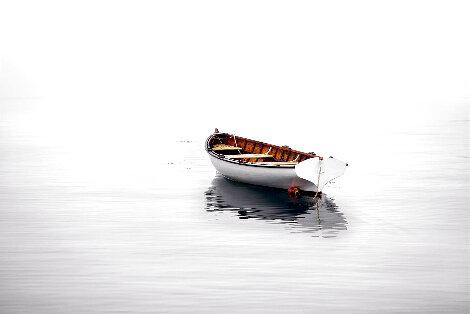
x=254, y=162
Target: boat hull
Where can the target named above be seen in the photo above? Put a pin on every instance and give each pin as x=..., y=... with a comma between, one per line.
x=281, y=177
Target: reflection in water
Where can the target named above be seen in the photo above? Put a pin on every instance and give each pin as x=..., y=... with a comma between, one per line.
x=302, y=214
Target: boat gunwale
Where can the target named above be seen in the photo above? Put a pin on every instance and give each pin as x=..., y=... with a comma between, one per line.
x=238, y=162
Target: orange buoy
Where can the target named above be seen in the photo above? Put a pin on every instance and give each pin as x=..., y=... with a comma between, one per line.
x=293, y=191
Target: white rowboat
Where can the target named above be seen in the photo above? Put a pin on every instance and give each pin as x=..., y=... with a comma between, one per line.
x=254, y=162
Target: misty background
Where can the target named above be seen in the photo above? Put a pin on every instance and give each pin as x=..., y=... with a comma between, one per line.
x=105, y=189
x=111, y=82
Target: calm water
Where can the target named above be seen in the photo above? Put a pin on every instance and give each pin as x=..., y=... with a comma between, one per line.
x=96, y=225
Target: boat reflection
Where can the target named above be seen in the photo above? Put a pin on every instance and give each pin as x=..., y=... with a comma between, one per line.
x=302, y=214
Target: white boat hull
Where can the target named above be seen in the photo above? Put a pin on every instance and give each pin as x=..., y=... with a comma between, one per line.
x=281, y=177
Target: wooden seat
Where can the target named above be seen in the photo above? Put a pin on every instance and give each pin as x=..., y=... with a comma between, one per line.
x=276, y=163
x=225, y=147
x=241, y=156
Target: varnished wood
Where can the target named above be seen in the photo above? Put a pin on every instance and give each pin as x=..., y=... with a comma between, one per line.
x=241, y=156
x=225, y=147
x=277, y=163
x=256, y=150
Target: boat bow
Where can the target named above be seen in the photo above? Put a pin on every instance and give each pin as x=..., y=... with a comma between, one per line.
x=320, y=171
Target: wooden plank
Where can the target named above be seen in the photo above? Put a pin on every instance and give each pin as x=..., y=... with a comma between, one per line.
x=249, y=147
x=277, y=163
x=257, y=149
x=248, y=143
x=241, y=156
x=225, y=147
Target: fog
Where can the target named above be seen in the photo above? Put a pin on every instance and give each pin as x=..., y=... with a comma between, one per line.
x=288, y=67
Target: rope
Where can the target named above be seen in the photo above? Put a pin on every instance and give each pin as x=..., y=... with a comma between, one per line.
x=318, y=183
x=315, y=197
x=318, y=212
x=235, y=139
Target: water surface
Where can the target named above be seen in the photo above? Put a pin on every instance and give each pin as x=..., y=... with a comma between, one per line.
x=99, y=227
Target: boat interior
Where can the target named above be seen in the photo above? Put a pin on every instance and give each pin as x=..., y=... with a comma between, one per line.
x=244, y=150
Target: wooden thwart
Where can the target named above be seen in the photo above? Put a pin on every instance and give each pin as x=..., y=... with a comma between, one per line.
x=241, y=156
x=225, y=147
x=277, y=163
